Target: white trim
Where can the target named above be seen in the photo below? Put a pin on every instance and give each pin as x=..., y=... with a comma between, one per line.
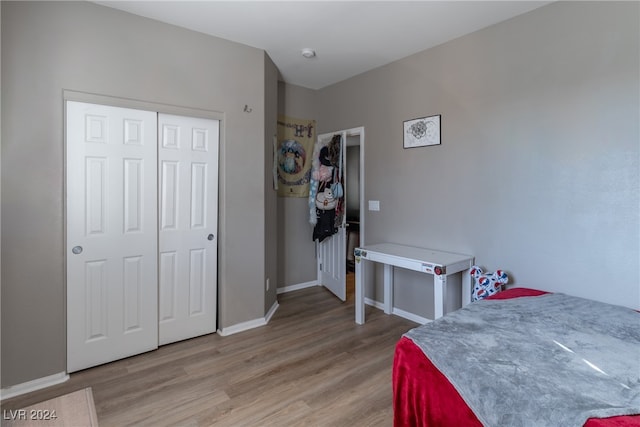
x=360, y=132
x=398, y=312
x=113, y=101
x=250, y=324
x=241, y=327
x=33, y=385
x=297, y=287
x=410, y=316
x=271, y=312
x=374, y=303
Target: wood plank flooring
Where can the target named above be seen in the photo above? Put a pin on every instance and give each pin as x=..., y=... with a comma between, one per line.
x=310, y=366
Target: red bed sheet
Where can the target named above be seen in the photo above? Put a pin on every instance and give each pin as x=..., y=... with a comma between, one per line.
x=422, y=395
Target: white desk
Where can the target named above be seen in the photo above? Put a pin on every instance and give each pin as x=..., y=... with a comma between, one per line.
x=440, y=264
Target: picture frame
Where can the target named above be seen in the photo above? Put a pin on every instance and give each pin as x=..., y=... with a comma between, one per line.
x=421, y=132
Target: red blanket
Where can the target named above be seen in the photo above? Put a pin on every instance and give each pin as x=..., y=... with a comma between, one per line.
x=422, y=395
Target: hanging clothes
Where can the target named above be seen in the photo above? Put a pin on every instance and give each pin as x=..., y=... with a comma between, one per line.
x=326, y=194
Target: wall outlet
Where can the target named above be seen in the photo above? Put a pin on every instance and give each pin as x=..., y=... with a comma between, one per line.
x=267, y=283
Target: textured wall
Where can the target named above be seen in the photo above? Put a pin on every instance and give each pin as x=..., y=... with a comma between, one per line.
x=48, y=47
x=270, y=195
x=296, y=250
x=538, y=171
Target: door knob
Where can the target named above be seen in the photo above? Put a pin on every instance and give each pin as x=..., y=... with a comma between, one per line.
x=77, y=250
x=210, y=237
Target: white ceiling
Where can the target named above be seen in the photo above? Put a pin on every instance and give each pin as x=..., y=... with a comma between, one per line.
x=349, y=37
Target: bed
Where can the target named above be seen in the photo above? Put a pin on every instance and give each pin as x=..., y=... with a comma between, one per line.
x=424, y=396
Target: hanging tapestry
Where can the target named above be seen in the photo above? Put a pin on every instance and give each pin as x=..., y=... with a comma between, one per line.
x=295, y=144
x=326, y=194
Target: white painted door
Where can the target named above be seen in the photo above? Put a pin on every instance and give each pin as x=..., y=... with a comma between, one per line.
x=332, y=259
x=188, y=194
x=111, y=247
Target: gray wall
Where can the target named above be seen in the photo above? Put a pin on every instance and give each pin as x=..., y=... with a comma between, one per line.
x=0, y=181
x=538, y=171
x=51, y=46
x=270, y=194
x=296, y=249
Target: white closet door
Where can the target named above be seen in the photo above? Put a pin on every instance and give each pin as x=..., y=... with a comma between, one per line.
x=332, y=257
x=111, y=182
x=188, y=193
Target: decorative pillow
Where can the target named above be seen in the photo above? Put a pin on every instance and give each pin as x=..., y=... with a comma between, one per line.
x=486, y=284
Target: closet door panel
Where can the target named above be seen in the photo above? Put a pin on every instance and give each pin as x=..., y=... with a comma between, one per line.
x=169, y=195
x=111, y=233
x=188, y=158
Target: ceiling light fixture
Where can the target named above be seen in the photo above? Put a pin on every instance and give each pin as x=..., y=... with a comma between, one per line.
x=308, y=53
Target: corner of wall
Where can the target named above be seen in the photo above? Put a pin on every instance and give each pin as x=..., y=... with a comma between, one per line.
x=271, y=198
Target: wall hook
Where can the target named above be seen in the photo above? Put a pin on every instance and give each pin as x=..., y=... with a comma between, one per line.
x=247, y=109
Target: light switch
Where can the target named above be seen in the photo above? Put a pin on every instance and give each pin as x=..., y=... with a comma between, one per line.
x=374, y=205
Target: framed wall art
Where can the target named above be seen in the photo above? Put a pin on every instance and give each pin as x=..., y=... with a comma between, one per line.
x=422, y=132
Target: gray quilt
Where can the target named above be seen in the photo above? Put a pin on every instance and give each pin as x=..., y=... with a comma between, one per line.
x=550, y=360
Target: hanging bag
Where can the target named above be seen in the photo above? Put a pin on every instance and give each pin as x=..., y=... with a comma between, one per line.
x=336, y=189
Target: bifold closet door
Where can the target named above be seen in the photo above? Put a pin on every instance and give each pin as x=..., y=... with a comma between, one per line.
x=111, y=235
x=188, y=193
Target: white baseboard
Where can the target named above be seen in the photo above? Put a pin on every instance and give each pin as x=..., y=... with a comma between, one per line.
x=33, y=385
x=271, y=312
x=251, y=324
x=404, y=314
x=297, y=287
x=410, y=316
x=241, y=327
x=374, y=303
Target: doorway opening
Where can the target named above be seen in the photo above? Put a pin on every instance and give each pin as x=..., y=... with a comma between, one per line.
x=336, y=254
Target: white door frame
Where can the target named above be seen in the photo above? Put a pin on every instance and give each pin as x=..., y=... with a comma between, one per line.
x=357, y=131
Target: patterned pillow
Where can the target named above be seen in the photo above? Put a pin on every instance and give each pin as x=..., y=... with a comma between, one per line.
x=486, y=284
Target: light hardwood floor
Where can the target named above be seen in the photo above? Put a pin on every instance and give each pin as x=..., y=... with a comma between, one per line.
x=310, y=366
